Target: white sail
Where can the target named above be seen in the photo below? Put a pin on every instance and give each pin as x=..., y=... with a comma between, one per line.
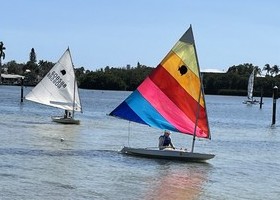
x=59, y=87
x=251, y=85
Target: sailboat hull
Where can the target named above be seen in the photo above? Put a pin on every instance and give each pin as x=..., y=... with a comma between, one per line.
x=251, y=102
x=63, y=120
x=179, y=155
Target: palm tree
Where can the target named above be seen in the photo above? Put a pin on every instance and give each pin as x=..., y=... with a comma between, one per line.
x=32, y=56
x=258, y=70
x=2, y=55
x=267, y=68
x=275, y=70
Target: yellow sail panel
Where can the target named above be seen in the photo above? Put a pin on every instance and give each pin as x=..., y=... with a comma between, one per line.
x=189, y=80
x=186, y=52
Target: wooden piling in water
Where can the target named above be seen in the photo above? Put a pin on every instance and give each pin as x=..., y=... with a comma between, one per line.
x=261, y=101
x=275, y=97
x=21, y=96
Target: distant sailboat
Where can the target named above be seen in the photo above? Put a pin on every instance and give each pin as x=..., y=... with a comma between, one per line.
x=59, y=89
x=250, y=90
x=170, y=98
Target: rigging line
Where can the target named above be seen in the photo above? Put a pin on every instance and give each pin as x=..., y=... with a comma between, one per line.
x=128, y=133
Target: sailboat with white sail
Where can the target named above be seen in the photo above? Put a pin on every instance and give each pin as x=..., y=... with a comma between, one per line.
x=59, y=89
x=250, y=90
x=171, y=98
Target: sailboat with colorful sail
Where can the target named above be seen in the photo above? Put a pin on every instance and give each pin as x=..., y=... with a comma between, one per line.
x=250, y=90
x=170, y=98
x=59, y=89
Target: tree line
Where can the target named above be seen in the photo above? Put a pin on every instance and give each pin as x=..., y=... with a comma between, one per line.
x=233, y=82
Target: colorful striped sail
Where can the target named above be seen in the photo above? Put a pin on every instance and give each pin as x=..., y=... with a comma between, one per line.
x=171, y=97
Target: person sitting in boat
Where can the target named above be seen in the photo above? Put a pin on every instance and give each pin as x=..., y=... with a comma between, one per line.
x=67, y=114
x=165, y=141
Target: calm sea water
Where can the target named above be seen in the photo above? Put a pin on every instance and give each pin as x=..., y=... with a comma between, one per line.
x=35, y=164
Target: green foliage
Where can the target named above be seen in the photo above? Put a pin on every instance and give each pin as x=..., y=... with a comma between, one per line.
x=232, y=92
x=32, y=56
x=13, y=67
x=2, y=53
x=270, y=71
x=114, y=78
x=44, y=67
x=235, y=81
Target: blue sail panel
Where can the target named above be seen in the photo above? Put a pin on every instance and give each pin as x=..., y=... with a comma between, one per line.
x=125, y=112
x=137, y=109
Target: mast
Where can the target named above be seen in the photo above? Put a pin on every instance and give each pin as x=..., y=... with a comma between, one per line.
x=196, y=120
x=201, y=91
x=73, y=105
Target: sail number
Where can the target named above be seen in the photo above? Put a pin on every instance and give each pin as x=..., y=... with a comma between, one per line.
x=56, y=80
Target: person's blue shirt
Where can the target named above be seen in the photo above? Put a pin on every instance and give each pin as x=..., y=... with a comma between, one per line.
x=165, y=141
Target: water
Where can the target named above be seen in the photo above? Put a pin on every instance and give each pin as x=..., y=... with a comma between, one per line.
x=35, y=164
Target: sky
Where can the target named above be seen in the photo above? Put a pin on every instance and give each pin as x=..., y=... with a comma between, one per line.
x=116, y=33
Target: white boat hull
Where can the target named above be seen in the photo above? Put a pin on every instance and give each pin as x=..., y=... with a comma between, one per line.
x=63, y=120
x=177, y=154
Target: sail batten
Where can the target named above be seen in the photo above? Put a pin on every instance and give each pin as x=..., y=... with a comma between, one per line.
x=168, y=97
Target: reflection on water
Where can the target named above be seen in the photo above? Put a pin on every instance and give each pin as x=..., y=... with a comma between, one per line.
x=183, y=181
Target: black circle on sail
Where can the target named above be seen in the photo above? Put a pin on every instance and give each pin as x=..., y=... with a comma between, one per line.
x=183, y=70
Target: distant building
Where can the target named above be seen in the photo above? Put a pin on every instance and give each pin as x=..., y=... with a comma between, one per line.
x=212, y=71
x=11, y=79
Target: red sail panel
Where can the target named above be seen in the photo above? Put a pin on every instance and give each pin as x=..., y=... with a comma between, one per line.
x=184, y=101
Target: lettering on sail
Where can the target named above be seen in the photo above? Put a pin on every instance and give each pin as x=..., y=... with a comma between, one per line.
x=56, y=79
